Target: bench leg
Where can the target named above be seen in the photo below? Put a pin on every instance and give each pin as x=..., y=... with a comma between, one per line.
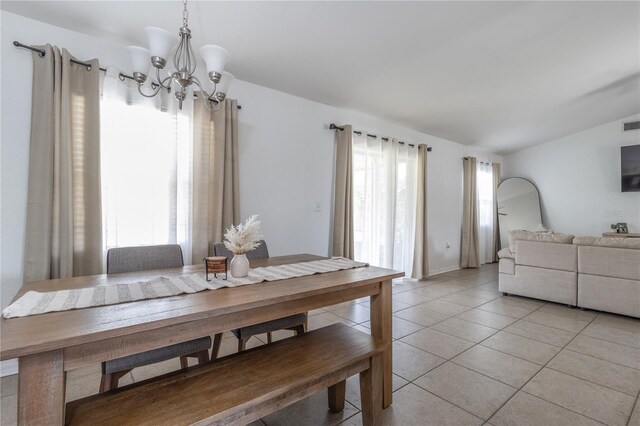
x=336, y=396
x=242, y=344
x=298, y=329
x=371, y=392
x=203, y=356
x=110, y=380
x=217, y=341
x=184, y=361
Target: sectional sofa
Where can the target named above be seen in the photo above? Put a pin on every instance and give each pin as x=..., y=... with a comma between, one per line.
x=589, y=272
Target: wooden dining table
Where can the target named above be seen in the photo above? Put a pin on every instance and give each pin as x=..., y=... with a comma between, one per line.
x=49, y=345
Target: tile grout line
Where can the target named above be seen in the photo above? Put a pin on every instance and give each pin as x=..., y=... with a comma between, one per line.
x=451, y=359
x=545, y=366
x=448, y=359
x=633, y=409
x=520, y=389
x=542, y=366
x=459, y=313
x=561, y=406
x=609, y=341
x=412, y=382
x=531, y=378
x=449, y=402
x=587, y=380
x=598, y=358
x=550, y=326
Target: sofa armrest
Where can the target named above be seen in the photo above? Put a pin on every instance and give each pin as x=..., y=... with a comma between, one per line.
x=563, y=257
x=506, y=253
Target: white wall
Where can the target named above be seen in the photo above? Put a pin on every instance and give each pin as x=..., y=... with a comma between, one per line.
x=286, y=157
x=578, y=177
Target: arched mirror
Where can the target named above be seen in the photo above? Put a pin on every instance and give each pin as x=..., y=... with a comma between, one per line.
x=518, y=207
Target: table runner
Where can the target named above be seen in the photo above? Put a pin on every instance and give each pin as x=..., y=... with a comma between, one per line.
x=35, y=303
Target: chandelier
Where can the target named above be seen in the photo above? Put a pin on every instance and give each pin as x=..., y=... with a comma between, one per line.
x=184, y=64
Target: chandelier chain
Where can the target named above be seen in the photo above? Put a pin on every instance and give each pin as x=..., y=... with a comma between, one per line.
x=185, y=14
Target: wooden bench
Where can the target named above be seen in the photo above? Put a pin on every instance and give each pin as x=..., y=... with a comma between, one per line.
x=246, y=386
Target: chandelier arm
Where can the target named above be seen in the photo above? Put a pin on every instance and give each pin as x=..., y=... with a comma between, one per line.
x=208, y=100
x=155, y=92
x=196, y=81
x=161, y=82
x=209, y=104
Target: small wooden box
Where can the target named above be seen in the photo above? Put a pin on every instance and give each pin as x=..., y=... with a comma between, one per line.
x=216, y=265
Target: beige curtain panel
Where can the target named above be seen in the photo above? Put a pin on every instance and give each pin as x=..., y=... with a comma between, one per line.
x=342, y=244
x=64, y=211
x=421, y=245
x=215, y=174
x=469, y=255
x=495, y=168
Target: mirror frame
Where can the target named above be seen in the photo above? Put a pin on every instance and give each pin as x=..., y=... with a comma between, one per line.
x=497, y=205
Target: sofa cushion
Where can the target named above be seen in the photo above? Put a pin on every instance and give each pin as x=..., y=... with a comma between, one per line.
x=545, y=284
x=609, y=262
x=506, y=253
x=615, y=295
x=547, y=237
x=628, y=243
x=547, y=255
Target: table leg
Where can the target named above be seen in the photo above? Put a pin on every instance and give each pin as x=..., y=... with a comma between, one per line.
x=381, y=329
x=41, y=385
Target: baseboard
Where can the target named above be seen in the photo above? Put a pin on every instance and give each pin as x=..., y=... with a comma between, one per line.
x=8, y=367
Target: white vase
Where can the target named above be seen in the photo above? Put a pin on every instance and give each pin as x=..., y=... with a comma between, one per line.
x=239, y=266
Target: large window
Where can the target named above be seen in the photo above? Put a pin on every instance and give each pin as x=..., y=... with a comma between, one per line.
x=146, y=168
x=384, y=202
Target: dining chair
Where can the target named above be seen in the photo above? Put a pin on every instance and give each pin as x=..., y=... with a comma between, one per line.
x=296, y=322
x=146, y=258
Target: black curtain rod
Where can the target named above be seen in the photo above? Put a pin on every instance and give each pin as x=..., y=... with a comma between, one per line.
x=332, y=126
x=42, y=53
x=481, y=162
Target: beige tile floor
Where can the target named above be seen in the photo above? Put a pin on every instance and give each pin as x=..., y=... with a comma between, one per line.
x=464, y=354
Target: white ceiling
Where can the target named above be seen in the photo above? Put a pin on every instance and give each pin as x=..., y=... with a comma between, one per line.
x=498, y=75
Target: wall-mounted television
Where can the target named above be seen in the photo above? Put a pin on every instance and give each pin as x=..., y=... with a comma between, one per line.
x=630, y=168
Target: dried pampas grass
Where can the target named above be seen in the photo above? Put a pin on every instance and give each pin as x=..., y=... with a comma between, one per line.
x=245, y=237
